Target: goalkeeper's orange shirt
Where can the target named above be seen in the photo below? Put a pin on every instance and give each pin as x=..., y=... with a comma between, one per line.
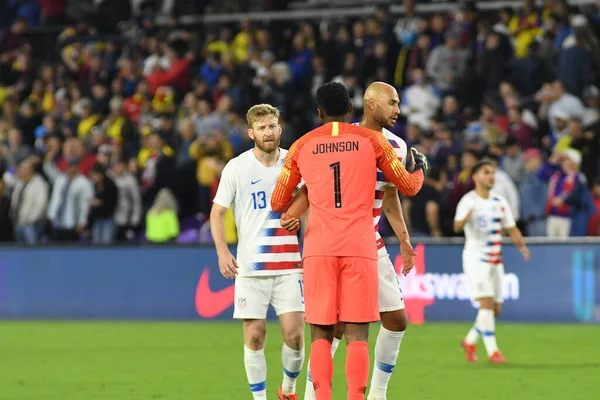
x=338, y=163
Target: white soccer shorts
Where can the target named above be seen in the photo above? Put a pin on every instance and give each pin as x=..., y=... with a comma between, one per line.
x=253, y=294
x=485, y=280
x=390, y=293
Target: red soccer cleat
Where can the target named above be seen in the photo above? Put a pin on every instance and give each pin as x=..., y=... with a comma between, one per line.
x=497, y=358
x=470, y=351
x=282, y=396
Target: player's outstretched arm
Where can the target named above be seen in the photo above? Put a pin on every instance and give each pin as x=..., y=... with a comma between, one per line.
x=409, y=184
x=517, y=239
x=287, y=182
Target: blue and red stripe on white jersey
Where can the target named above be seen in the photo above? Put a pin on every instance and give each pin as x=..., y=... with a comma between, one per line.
x=264, y=247
x=277, y=249
x=483, y=231
x=400, y=147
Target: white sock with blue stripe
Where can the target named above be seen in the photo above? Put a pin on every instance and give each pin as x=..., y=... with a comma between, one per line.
x=309, y=392
x=486, y=324
x=256, y=371
x=387, y=348
x=473, y=335
x=292, y=365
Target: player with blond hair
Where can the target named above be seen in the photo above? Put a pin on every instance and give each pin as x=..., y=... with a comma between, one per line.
x=268, y=266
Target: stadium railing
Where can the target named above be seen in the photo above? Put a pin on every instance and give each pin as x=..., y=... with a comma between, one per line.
x=339, y=10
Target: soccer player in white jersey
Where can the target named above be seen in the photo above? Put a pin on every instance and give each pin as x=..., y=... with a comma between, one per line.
x=381, y=110
x=483, y=214
x=268, y=267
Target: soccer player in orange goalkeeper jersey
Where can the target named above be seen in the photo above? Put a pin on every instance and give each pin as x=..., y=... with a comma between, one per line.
x=337, y=162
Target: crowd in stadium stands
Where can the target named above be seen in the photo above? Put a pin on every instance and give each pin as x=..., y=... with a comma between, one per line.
x=123, y=134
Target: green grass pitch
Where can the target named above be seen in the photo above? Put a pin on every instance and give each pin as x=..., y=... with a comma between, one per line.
x=203, y=361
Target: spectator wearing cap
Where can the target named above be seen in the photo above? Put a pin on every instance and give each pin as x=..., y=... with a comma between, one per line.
x=447, y=63
x=572, y=132
x=128, y=214
x=69, y=206
x=29, y=204
x=556, y=99
x=574, y=64
x=559, y=129
x=564, y=191
x=521, y=131
x=534, y=193
x=103, y=206
x=420, y=101
x=513, y=162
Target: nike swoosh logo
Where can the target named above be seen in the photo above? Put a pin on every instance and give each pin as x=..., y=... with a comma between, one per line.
x=255, y=182
x=209, y=303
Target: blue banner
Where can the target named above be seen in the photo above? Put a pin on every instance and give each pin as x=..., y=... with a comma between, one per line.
x=560, y=284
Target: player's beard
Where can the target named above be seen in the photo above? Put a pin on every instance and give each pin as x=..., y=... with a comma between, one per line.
x=387, y=123
x=267, y=146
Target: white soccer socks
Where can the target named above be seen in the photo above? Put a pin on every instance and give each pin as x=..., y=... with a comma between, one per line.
x=256, y=371
x=292, y=365
x=387, y=348
x=486, y=324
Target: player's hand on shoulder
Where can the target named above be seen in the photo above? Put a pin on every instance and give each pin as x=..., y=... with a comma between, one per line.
x=288, y=223
x=228, y=266
x=420, y=160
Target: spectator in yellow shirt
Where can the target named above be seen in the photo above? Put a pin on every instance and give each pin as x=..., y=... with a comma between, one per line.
x=162, y=225
x=212, y=152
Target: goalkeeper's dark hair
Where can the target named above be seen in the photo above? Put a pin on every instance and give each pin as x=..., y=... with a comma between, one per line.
x=333, y=99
